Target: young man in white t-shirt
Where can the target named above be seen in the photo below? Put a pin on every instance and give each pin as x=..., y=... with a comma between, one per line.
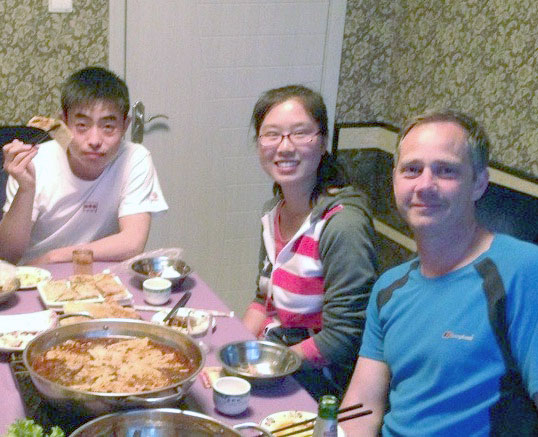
x=98, y=194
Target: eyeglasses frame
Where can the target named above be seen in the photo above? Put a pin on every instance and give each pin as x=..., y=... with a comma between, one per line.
x=282, y=136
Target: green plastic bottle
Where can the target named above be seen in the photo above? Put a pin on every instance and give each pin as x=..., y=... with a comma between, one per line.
x=327, y=423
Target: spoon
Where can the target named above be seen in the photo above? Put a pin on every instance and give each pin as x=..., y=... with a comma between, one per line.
x=180, y=303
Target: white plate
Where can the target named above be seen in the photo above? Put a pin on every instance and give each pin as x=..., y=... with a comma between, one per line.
x=127, y=300
x=31, y=276
x=16, y=331
x=202, y=320
x=284, y=418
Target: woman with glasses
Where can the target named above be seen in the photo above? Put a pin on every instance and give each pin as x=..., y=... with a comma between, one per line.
x=317, y=258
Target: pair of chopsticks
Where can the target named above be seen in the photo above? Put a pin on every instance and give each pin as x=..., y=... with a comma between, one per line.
x=310, y=422
x=214, y=313
x=43, y=136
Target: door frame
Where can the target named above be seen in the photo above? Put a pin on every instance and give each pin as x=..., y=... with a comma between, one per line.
x=331, y=57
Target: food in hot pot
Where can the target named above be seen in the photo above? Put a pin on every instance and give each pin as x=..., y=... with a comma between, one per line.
x=113, y=365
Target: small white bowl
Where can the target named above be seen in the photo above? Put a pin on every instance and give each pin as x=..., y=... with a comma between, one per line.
x=231, y=395
x=157, y=290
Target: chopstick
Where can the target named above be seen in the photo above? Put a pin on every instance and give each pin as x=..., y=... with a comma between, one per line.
x=311, y=421
x=44, y=135
x=180, y=303
x=34, y=141
x=214, y=313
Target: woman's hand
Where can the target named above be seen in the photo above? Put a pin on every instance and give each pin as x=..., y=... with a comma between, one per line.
x=18, y=163
x=253, y=320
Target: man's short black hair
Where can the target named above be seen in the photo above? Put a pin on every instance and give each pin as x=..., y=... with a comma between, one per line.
x=92, y=84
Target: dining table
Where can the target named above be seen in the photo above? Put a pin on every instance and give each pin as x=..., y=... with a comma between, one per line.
x=285, y=394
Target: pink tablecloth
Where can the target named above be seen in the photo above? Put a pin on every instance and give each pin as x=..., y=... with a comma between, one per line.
x=287, y=395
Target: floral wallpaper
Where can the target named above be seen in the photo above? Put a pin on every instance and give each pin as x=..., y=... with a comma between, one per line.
x=399, y=58
x=403, y=56
x=40, y=49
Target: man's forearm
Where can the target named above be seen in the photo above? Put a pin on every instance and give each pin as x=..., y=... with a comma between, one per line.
x=112, y=248
x=369, y=386
x=16, y=227
x=366, y=426
x=128, y=242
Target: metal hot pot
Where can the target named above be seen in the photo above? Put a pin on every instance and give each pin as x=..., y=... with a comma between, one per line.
x=87, y=403
x=161, y=422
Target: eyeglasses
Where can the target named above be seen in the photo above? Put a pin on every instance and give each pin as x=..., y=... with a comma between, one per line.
x=273, y=139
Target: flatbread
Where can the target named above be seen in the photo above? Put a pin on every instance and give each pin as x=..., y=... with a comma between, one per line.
x=54, y=127
x=108, y=309
x=58, y=291
x=109, y=286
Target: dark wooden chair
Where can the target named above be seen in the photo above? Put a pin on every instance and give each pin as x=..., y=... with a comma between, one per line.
x=510, y=204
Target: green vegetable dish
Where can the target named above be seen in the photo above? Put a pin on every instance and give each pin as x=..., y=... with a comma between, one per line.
x=28, y=428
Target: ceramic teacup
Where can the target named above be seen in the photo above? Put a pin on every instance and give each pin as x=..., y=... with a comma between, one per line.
x=157, y=290
x=231, y=395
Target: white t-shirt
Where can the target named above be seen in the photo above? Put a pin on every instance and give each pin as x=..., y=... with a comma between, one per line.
x=68, y=210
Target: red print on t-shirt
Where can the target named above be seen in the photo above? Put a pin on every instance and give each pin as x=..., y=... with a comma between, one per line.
x=90, y=207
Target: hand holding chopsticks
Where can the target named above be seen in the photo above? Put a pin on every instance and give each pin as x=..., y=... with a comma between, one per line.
x=308, y=425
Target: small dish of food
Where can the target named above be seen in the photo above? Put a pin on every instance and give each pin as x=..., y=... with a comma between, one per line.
x=9, y=283
x=199, y=320
x=286, y=418
x=17, y=330
x=29, y=276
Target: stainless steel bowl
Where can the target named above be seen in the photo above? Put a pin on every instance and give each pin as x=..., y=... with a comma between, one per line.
x=162, y=422
x=86, y=403
x=258, y=361
x=150, y=267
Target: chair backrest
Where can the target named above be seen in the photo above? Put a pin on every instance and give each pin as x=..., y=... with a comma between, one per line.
x=9, y=133
x=510, y=204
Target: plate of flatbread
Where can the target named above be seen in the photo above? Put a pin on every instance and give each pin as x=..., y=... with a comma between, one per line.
x=86, y=288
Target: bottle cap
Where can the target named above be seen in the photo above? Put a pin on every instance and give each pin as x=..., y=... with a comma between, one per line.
x=328, y=407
